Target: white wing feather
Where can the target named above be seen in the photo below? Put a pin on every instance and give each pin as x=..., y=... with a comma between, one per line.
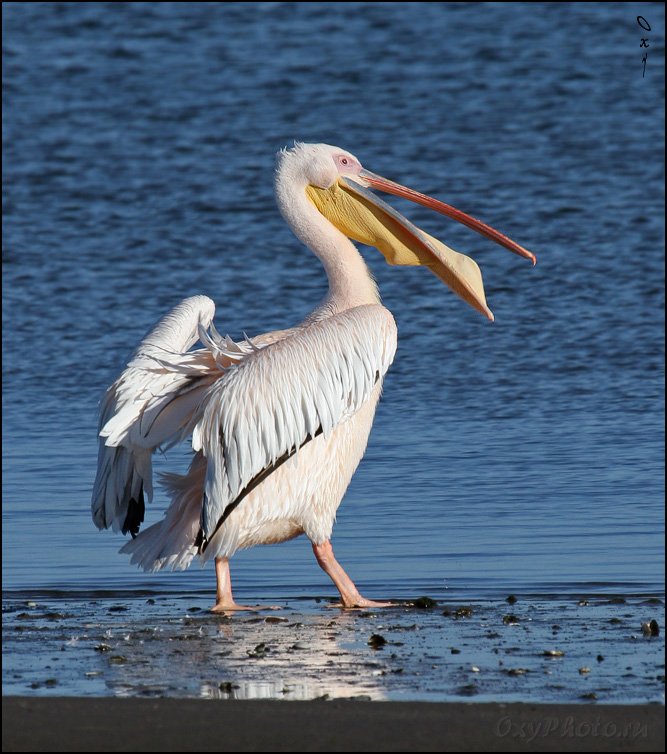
x=278, y=397
x=150, y=405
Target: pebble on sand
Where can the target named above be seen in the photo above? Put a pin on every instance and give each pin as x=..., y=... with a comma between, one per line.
x=424, y=603
x=651, y=628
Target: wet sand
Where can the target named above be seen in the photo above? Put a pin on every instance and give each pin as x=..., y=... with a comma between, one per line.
x=72, y=724
x=535, y=650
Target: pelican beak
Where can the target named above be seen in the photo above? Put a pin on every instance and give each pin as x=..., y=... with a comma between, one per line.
x=363, y=217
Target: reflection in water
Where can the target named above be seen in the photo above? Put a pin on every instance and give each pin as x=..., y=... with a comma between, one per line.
x=292, y=690
x=280, y=658
x=321, y=663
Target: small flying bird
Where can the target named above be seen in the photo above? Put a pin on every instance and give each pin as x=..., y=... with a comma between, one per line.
x=280, y=421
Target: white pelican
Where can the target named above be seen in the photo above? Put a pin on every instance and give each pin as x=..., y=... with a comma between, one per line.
x=279, y=423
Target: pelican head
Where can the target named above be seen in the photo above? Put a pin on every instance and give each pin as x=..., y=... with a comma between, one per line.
x=338, y=185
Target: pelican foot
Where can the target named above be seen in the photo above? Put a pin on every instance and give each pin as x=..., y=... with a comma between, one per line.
x=349, y=594
x=224, y=607
x=360, y=604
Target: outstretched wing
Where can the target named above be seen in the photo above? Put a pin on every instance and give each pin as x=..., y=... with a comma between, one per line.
x=278, y=397
x=149, y=406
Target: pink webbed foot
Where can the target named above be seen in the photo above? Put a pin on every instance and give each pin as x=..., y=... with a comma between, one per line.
x=229, y=607
x=349, y=594
x=224, y=599
x=361, y=603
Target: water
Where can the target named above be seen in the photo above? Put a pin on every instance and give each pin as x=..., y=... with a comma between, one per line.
x=524, y=456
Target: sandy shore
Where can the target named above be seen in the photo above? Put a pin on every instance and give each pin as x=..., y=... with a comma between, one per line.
x=104, y=724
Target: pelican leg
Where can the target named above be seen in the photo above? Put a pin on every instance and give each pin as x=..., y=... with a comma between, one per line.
x=224, y=599
x=349, y=595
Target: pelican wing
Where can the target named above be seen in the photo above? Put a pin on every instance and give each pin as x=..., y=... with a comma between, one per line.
x=279, y=397
x=150, y=405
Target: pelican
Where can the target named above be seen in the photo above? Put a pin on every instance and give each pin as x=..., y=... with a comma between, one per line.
x=279, y=422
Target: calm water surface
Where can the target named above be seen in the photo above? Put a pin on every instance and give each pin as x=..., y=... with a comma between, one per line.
x=524, y=456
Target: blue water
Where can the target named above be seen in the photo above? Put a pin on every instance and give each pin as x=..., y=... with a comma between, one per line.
x=524, y=456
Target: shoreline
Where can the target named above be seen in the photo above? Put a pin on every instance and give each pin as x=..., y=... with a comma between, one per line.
x=168, y=724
